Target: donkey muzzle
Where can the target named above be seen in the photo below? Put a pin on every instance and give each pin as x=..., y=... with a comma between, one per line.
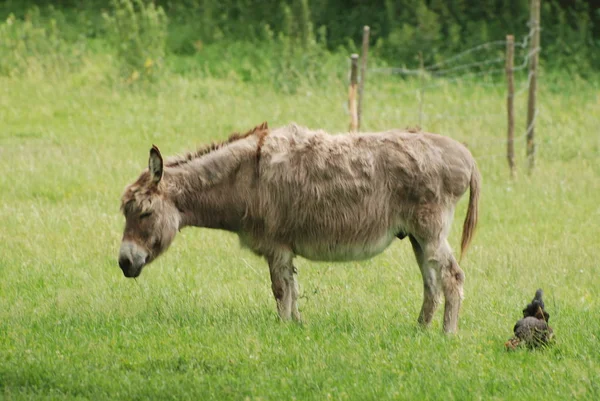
x=131, y=259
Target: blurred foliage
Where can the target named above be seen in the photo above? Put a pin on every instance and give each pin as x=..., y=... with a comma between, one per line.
x=137, y=30
x=295, y=36
x=284, y=63
x=32, y=46
x=400, y=28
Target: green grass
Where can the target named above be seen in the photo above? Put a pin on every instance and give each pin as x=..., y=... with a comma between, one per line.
x=200, y=323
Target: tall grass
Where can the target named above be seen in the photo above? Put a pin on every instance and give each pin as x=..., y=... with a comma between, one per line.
x=129, y=45
x=137, y=30
x=35, y=46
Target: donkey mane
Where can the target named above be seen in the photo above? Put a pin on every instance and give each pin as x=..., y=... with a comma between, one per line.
x=261, y=130
x=138, y=191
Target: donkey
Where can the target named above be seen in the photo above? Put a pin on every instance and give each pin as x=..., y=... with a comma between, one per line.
x=294, y=191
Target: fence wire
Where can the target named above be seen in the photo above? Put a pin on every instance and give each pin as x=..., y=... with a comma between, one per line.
x=426, y=72
x=467, y=52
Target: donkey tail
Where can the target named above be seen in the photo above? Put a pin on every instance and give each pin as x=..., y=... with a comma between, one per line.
x=472, y=211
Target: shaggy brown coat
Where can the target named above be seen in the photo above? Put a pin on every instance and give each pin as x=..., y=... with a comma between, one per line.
x=294, y=191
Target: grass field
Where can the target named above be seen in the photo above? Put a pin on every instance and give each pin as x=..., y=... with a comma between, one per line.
x=200, y=323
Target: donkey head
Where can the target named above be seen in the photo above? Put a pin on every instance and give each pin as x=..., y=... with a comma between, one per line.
x=151, y=218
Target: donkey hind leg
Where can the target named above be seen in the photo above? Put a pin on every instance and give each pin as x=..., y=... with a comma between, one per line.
x=284, y=284
x=432, y=292
x=453, y=279
x=438, y=257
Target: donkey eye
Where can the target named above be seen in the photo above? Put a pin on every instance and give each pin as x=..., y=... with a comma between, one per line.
x=144, y=215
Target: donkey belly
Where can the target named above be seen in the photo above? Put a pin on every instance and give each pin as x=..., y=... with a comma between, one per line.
x=331, y=250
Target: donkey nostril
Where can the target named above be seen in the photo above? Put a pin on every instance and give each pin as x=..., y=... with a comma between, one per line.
x=124, y=263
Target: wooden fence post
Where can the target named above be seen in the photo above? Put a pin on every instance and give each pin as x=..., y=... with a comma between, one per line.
x=363, y=72
x=533, y=64
x=352, y=106
x=510, y=105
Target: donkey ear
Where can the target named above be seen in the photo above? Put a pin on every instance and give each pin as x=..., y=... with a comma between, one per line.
x=155, y=164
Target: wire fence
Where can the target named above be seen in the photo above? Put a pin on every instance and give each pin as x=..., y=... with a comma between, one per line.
x=438, y=92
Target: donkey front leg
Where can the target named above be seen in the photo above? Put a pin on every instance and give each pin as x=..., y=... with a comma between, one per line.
x=284, y=285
